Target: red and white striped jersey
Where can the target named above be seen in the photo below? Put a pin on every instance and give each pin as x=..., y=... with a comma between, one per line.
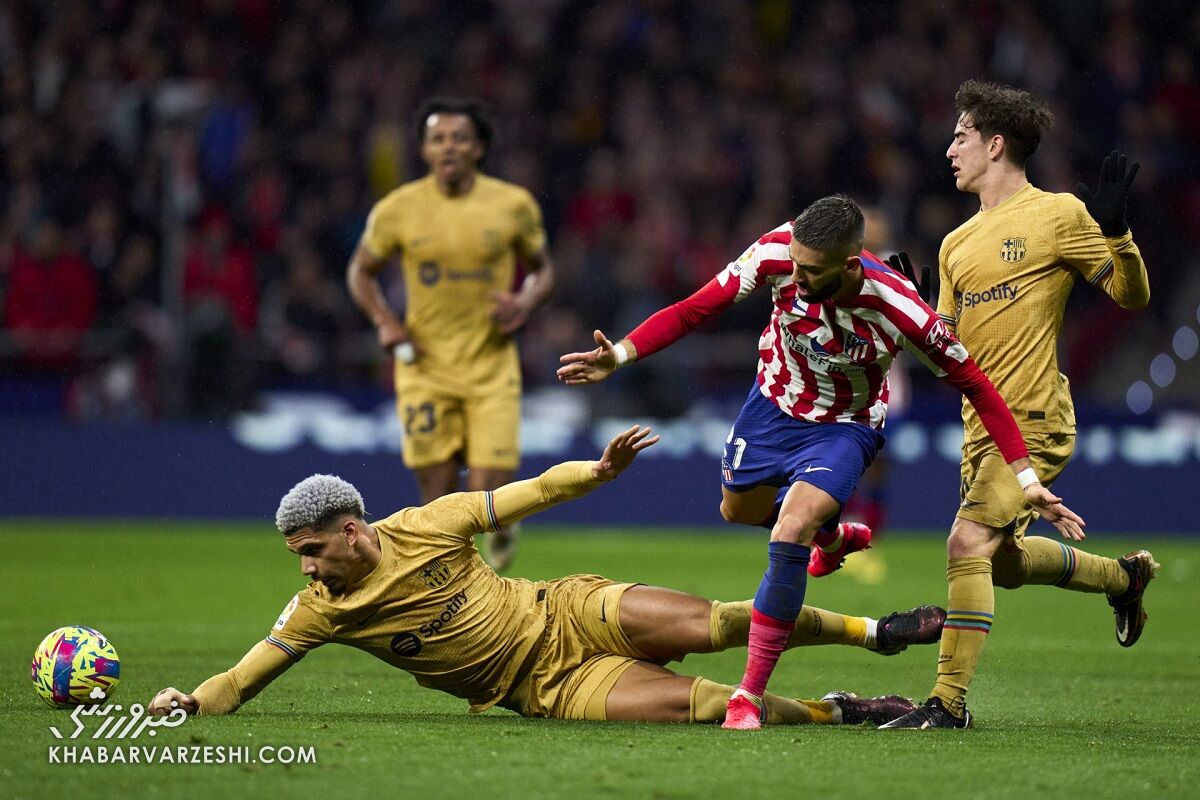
x=822, y=362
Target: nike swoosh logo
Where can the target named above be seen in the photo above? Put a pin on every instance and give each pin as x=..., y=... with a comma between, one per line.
x=818, y=469
x=969, y=503
x=362, y=622
x=603, y=617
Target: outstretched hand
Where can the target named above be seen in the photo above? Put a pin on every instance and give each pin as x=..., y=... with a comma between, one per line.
x=592, y=366
x=171, y=698
x=1107, y=204
x=1051, y=509
x=925, y=286
x=621, y=452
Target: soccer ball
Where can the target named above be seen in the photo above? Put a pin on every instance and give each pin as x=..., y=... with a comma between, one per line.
x=75, y=666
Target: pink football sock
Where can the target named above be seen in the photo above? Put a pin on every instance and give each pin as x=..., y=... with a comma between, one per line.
x=768, y=637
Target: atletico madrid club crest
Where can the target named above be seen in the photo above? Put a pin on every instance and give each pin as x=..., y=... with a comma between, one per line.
x=1013, y=249
x=857, y=348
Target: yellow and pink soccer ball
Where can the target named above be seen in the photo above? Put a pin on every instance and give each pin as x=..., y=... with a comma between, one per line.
x=75, y=666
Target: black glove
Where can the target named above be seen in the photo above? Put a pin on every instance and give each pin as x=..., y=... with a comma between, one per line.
x=1107, y=203
x=925, y=287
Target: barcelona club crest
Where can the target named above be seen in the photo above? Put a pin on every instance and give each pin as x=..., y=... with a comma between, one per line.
x=1013, y=249
x=435, y=574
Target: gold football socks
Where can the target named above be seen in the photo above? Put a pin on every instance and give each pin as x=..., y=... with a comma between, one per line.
x=1058, y=564
x=729, y=626
x=709, y=700
x=971, y=605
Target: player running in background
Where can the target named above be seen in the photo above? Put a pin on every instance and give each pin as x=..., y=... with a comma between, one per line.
x=1005, y=275
x=813, y=420
x=459, y=234
x=412, y=590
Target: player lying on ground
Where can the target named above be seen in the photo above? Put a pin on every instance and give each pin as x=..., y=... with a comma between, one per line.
x=412, y=590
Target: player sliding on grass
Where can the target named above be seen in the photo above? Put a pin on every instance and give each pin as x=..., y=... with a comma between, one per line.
x=412, y=590
x=813, y=420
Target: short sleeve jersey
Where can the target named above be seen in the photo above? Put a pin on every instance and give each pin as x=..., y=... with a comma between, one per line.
x=430, y=607
x=454, y=253
x=1005, y=276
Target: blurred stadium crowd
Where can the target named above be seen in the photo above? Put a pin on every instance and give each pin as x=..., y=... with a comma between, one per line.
x=183, y=183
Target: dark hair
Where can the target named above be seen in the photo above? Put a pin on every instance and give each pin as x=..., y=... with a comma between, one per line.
x=1013, y=113
x=831, y=223
x=469, y=106
x=325, y=522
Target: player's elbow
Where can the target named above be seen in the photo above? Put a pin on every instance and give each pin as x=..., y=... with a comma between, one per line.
x=360, y=267
x=1135, y=302
x=354, y=273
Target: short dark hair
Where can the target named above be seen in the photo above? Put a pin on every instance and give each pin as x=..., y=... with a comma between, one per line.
x=1013, y=113
x=471, y=107
x=831, y=223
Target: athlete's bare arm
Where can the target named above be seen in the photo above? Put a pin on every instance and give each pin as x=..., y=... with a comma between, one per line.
x=363, y=282
x=512, y=309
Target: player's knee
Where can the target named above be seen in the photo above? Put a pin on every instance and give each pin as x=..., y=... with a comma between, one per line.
x=969, y=539
x=795, y=528
x=436, y=481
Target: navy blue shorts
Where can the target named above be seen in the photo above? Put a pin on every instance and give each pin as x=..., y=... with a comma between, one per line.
x=770, y=448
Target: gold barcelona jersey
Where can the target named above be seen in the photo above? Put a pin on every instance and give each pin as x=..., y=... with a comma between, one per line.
x=431, y=606
x=455, y=252
x=1005, y=276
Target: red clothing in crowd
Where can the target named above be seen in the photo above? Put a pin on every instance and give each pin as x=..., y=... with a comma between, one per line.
x=227, y=277
x=50, y=304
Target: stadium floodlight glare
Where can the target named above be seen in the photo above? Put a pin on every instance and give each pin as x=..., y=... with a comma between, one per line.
x=1185, y=343
x=1139, y=397
x=1162, y=370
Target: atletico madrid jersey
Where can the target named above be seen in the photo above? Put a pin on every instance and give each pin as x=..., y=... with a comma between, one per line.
x=819, y=362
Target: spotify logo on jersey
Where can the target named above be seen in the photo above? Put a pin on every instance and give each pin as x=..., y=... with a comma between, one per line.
x=429, y=272
x=406, y=644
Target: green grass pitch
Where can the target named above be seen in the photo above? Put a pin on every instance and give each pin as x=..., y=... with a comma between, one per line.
x=1062, y=710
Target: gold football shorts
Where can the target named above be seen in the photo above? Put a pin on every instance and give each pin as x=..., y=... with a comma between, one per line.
x=583, y=654
x=990, y=494
x=438, y=426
